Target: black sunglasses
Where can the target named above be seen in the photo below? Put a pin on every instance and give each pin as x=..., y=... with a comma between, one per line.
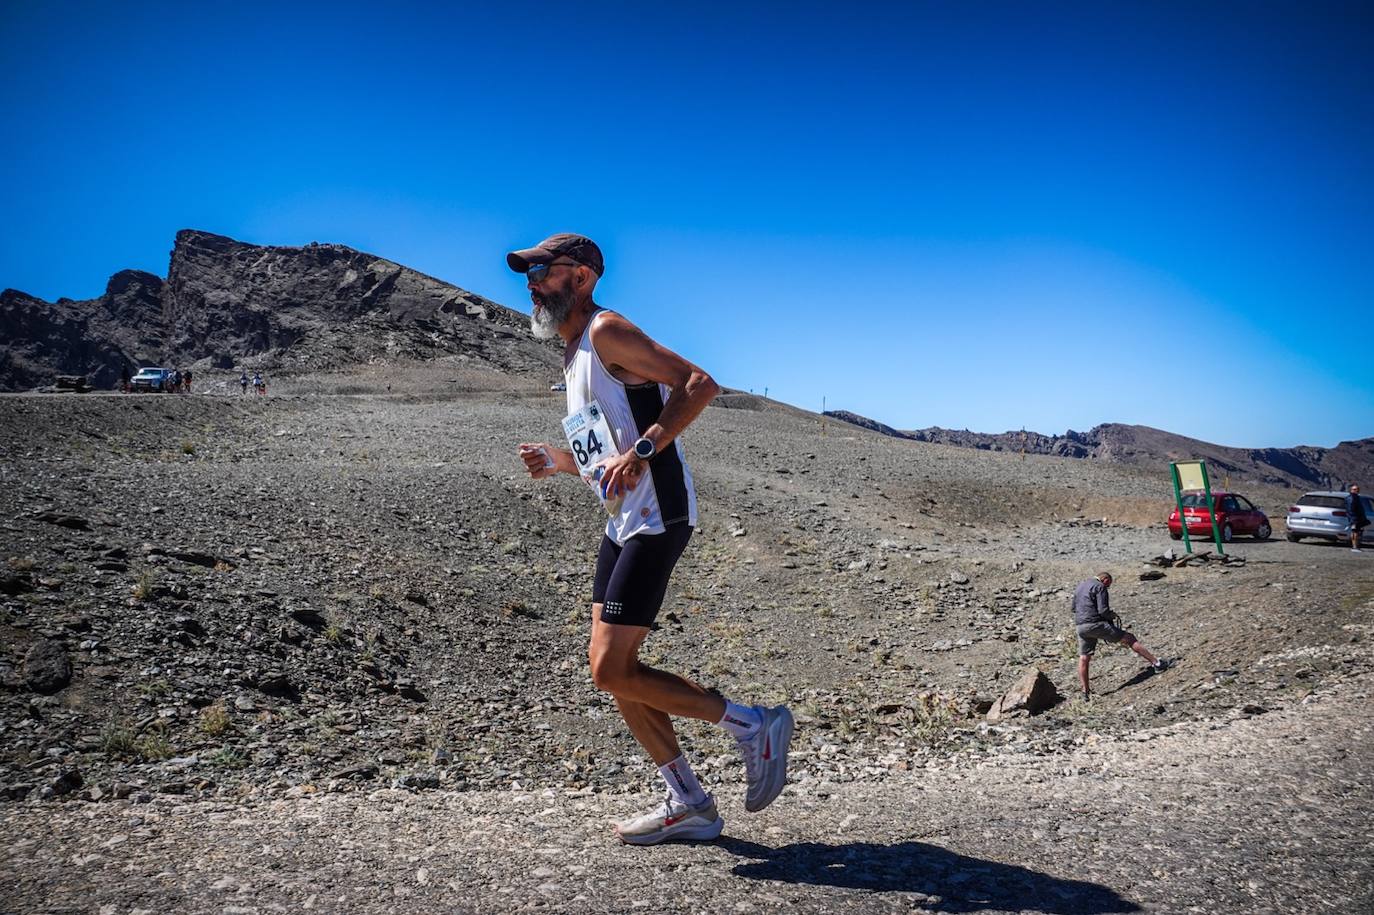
x=537, y=272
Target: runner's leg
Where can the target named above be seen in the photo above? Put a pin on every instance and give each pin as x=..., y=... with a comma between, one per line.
x=646, y=695
x=632, y=579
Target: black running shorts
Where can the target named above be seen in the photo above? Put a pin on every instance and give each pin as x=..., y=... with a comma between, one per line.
x=632, y=579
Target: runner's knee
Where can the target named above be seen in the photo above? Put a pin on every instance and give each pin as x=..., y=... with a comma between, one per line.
x=611, y=672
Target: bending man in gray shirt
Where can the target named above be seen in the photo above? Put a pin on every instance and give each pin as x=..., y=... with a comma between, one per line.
x=1095, y=620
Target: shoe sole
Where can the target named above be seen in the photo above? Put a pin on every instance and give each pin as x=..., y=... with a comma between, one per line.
x=781, y=743
x=688, y=833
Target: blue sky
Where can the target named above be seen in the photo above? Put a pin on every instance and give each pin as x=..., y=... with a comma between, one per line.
x=986, y=216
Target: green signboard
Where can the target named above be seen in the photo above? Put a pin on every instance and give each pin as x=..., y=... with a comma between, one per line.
x=1192, y=477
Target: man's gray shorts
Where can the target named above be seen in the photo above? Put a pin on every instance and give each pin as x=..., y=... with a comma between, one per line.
x=1089, y=633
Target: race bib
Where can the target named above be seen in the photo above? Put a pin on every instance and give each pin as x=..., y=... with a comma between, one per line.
x=589, y=437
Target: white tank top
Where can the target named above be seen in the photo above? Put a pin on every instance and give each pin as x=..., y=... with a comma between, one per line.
x=665, y=495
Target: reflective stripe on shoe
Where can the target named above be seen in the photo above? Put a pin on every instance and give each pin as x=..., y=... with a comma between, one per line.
x=673, y=819
x=765, y=757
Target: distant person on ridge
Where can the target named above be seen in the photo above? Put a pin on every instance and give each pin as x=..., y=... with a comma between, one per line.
x=124, y=379
x=1094, y=620
x=186, y=381
x=243, y=381
x=628, y=401
x=1358, y=519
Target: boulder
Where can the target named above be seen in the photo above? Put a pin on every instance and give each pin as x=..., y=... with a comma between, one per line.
x=15, y=583
x=46, y=668
x=67, y=781
x=279, y=686
x=307, y=617
x=1032, y=694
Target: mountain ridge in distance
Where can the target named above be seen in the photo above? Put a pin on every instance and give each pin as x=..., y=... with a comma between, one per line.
x=1302, y=467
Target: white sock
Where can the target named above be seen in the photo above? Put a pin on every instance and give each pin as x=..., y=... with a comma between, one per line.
x=682, y=782
x=740, y=720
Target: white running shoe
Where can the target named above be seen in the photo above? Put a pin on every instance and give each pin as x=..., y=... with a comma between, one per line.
x=765, y=757
x=673, y=820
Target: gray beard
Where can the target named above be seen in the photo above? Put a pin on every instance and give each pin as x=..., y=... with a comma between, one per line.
x=552, y=312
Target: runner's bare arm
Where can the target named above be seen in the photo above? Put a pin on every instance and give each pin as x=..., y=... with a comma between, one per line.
x=635, y=359
x=638, y=359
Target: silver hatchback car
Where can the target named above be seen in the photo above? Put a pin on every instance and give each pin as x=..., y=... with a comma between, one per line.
x=1323, y=514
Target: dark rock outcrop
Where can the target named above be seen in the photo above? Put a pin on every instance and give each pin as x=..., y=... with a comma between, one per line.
x=312, y=307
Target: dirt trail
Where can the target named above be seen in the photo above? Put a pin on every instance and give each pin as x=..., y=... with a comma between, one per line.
x=1273, y=813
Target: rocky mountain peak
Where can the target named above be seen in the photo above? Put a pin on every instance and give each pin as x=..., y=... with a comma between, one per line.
x=225, y=302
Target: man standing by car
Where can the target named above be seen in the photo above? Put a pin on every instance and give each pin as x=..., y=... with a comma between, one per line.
x=629, y=398
x=1358, y=519
x=1095, y=620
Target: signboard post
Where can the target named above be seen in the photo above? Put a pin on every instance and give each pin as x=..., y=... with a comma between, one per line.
x=1192, y=475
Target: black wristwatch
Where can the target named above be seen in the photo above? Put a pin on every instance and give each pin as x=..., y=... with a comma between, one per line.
x=645, y=449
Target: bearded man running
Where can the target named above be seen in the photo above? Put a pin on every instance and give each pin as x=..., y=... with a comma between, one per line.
x=629, y=399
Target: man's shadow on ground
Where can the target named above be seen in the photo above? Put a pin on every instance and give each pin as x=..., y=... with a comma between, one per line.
x=1141, y=677
x=963, y=884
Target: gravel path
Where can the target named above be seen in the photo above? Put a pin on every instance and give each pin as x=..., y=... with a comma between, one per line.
x=1271, y=813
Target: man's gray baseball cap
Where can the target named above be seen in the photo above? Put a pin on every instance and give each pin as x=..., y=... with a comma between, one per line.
x=578, y=248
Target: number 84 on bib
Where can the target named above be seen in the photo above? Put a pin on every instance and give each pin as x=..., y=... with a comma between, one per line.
x=589, y=437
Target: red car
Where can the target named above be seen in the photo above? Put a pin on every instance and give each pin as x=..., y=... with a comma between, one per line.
x=1235, y=515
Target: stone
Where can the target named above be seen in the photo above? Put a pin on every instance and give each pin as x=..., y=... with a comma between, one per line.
x=67, y=781
x=71, y=522
x=279, y=687
x=959, y=578
x=1031, y=694
x=14, y=583
x=359, y=773
x=307, y=617
x=199, y=559
x=190, y=625
x=418, y=780
x=47, y=669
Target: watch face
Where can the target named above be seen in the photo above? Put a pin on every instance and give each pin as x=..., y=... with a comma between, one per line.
x=644, y=448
